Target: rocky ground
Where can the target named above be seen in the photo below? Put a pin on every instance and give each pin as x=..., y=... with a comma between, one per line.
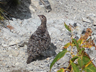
x=13, y=54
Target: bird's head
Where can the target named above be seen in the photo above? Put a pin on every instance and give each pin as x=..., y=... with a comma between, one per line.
x=42, y=18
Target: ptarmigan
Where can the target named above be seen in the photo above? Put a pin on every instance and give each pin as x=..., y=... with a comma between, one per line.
x=39, y=41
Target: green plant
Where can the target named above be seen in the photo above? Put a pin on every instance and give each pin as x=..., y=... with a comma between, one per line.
x=83, y=61
x=1, y=11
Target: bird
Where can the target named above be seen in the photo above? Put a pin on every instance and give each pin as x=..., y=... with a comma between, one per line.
x=39, y=41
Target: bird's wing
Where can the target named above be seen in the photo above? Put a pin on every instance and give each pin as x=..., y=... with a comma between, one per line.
x=38, y=42
x=45, y=40
x=48, y=37
x=32, y=43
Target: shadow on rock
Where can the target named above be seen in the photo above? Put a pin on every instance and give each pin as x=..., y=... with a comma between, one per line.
x=16, y=10
x=48, y=53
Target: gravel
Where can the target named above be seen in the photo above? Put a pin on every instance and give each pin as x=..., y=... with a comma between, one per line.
x=13, y=56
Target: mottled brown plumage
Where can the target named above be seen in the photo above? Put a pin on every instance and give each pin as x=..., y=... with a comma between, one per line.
x=39, y=41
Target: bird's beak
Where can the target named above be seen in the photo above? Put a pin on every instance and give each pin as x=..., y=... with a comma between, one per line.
x=38, y=15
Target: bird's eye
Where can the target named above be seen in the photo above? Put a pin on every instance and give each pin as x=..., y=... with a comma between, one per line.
x=42, y=16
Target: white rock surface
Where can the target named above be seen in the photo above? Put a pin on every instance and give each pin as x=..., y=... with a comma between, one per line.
x=68, y=11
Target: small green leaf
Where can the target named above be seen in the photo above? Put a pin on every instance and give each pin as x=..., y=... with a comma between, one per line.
x=74, y=58
x=91, y=67
x=66, y=45
x=67, y=27
x=86, y=59
x=81, y=50
x=80, y=41
x=75, y=68
x=76, y=43
x=80, y=62
x=59, y=56
x=1, y=18
x=61, y=70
